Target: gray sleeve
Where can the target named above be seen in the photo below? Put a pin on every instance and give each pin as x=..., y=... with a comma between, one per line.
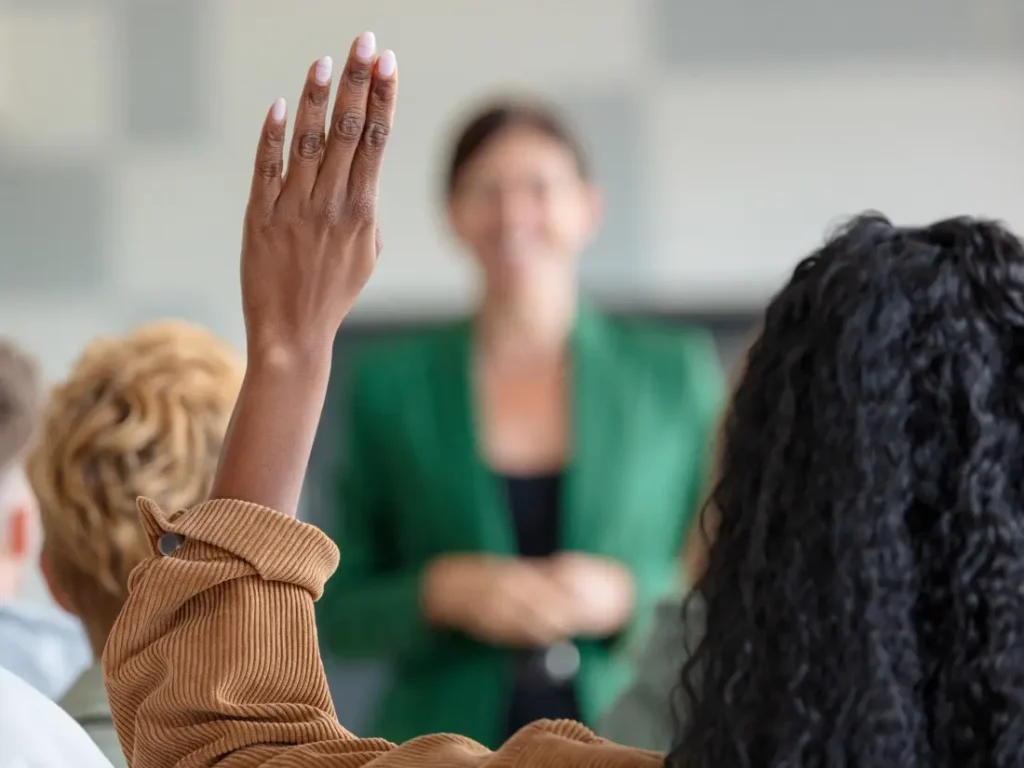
x=643, y=716
x=104, y=736
x=43, y=646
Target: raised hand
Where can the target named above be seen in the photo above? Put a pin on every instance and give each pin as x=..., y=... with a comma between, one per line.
x=309, y=245
x=310, y=237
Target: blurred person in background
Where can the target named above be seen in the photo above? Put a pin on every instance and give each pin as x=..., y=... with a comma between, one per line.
x=42, y=645
x=518, y=484
x=143, y=414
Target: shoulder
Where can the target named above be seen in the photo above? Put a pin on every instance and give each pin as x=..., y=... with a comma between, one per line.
x=542, y=744
x=35, y=731
x=678, y=347
x=385, y=379
x=683, y=359
x=406, y=354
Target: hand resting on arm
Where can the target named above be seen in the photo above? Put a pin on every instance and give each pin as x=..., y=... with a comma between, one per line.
x=507, y=601
x=522, y=602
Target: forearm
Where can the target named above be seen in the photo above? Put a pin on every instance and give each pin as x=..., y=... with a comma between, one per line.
x=194, y=643
x=268, y=443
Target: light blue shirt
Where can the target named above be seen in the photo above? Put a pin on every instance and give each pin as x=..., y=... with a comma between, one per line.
x=44, y=646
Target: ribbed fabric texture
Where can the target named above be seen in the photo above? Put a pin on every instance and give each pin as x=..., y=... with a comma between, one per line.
x=214, y=661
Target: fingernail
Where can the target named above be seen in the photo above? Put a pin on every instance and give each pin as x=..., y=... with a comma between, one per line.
x=386, y=64
x=366, y=44
x=277, y=110
x=322, y=73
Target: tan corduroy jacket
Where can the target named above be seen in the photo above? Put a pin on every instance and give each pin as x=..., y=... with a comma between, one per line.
x=214, y=660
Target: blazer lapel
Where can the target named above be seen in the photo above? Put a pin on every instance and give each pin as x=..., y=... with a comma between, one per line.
x=599, y=428
x=480, y=509
x=598, y=432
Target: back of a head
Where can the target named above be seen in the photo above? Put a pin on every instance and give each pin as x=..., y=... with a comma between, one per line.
x=865, y=591
x=140, y=415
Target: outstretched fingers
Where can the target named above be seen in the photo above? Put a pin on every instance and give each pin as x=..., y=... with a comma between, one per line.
x=266, y=176
x=308, y=137
x=364, y=176
x=347, y=121
x=339, y=173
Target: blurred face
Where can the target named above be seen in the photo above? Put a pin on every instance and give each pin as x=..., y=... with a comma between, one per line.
x=521, y=209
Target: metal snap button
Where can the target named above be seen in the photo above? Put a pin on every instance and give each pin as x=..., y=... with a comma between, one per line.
x=168, y=543
x=562, y=662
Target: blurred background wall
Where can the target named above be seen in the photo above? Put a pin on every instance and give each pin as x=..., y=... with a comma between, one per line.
x=729, y=135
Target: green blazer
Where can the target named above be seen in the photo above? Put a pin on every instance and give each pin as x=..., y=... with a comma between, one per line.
x=643, y=402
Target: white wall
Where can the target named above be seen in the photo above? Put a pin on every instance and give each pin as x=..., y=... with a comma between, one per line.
x=725, y=164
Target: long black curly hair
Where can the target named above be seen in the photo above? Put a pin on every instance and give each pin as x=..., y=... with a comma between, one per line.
x=865, y=589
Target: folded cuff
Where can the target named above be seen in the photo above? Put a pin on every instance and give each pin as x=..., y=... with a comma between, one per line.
x=279, y=547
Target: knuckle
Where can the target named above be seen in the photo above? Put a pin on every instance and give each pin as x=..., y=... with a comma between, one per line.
x=357, y=76
x=294, y=221
x=272, y=141
x=318, y=97
x=257, y=219
x=310, y=145
x=269, y=168
x=330, y=211
x=362, y=209
x=273, y=138
x=349, y=125
x=377, y=133
x=384, y=89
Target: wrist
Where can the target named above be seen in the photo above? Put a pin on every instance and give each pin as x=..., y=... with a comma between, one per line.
x=298, y=359
x=266, y=451
x=433, y=604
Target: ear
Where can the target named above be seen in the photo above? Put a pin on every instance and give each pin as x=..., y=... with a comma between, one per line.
x=18, y=536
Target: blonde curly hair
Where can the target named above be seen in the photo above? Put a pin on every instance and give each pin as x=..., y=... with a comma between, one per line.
x=140, y=415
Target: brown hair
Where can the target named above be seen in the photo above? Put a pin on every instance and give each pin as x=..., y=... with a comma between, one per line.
x=502, y=116
x=20, y=397
x=140, y=415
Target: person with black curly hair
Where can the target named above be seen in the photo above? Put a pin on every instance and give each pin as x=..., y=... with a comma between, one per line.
x=864, y=590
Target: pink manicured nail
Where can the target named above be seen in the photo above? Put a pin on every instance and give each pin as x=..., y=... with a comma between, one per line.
x=386, y=64
x=322, y=72
x=277, y=110
x=366, y=45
